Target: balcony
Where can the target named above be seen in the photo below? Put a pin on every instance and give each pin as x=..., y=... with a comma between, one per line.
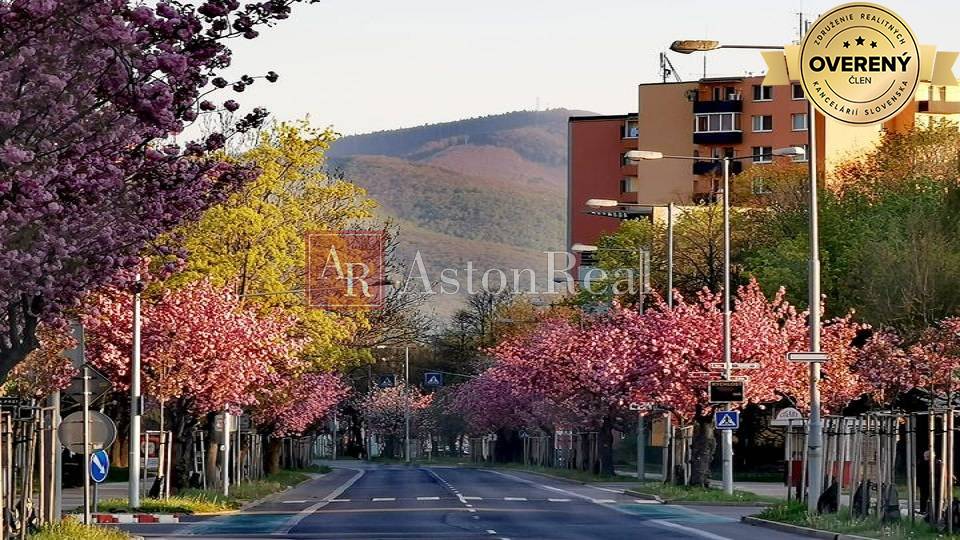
x=718, y=137
x=730, y=105
x=702, y=167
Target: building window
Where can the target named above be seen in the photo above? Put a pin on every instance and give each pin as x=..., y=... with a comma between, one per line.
x=628, y=184
x=631, y=130
x=762, y=123
x=799, y=121
x=713, y=122
x=762, y=154
x=797, y=91
x=762, y=93
x=806, y=151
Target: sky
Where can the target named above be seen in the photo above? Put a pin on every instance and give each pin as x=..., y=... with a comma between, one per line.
x=368, y=65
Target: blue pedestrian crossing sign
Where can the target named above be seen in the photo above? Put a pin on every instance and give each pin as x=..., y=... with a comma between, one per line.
x=387, y=380
x=432, y=378
x=726, y=419
x=99, y=466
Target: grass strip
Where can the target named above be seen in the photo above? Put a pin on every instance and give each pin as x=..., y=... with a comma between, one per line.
x=69, y=528
x=842, y=522
x=207, y=501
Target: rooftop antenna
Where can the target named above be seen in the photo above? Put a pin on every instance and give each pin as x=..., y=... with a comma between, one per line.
x=667, y=70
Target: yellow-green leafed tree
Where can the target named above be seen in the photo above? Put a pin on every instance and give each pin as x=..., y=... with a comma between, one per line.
x=254, y=241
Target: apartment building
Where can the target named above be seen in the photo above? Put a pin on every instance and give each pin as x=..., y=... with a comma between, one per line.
x=712, y=117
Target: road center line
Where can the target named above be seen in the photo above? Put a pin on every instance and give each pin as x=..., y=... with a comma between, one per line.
x=428, y=498
x=383, y=499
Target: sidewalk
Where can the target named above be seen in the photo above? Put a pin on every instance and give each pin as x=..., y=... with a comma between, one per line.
x=767, y=489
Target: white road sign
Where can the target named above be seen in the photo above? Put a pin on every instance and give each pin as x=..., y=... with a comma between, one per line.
x=787, y=417
x=734, y=365
x=807, y=356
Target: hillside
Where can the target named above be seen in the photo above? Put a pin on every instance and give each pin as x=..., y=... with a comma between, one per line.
x=489, y=190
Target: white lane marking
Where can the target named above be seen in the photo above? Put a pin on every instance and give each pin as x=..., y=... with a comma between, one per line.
x=491, y=531
x=293, y=502
x=300, y=516
x=340, y=500
x=514, y=498
x=603, y=501
x=472, y=510
x=473, y=498
x=541, y=486
x=383, y=499
x=428, y=498
x=646, y=501
x=558, y=500
x=688, y=530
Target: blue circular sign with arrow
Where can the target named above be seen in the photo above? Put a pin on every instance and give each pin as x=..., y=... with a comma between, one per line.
x=99, y=466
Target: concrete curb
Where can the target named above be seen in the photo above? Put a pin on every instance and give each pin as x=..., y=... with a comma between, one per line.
x=106, y=518
x=802, y=531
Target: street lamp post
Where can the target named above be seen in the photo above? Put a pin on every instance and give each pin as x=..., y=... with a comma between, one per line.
x=815, y=435
x=726, y=437
x=133, y=485
x=406, y=390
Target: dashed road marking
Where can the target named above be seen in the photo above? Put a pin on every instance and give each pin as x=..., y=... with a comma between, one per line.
x=294, y=502
x=383, y=499
x=514, y=498
x=603, y=501
x=558, y=500
x=473, y=498
x=340, y=500
x=491, y=531
x=428, y=498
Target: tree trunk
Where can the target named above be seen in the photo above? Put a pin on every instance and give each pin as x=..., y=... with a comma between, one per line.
x=213, y=453
x=182, y=424
x=703, y=447
x=605, y=446
x=274, y=446
x=21, y=332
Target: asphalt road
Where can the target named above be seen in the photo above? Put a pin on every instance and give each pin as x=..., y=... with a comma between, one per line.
x=397, y=502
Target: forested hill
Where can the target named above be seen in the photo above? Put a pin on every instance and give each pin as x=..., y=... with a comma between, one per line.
x=489, y=190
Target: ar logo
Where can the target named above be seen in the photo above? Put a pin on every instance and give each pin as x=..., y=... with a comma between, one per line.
x=860, y=64
x=345, y=269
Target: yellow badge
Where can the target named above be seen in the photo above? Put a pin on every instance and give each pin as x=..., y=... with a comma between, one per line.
x=860, y=64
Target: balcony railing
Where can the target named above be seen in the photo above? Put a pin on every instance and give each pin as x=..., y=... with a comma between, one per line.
x=729, y=105
x=708, y=167
x=718, y=137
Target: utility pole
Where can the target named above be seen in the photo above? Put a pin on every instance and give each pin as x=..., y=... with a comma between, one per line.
x=641, y=448
x=133, y=489
x=815, y=438
x=85, y=469
x=225, y=466
x=406, y=389
x=726, y=436
x=670, y=255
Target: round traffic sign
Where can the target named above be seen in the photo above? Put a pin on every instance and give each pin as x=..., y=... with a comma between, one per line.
x=99, y=466
x=103, y=431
